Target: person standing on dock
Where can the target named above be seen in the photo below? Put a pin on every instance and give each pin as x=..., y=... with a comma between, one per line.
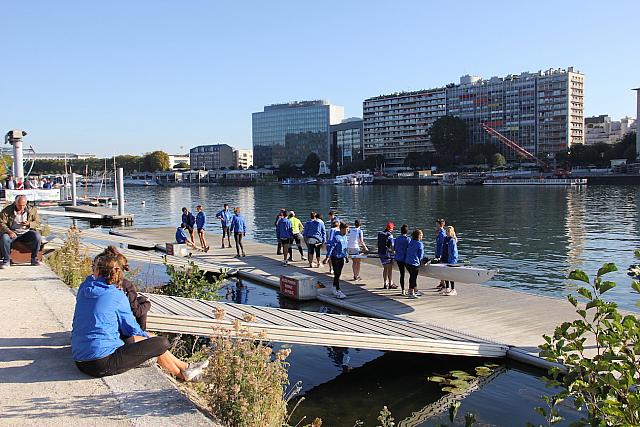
x=297, y=229
x=19, y=223
x=356, y=246
x=239, y=230
x=275, y=224
x=450, y=254
x=440, y=236
x=285, y=236
x=333, y=217
x=338, y=254
x=400, y=252
x=189, y=221
x=335, y=229
x=413, y=260
x=201, y=220
x=385, y=250
x=314, y=236
x=225, y=222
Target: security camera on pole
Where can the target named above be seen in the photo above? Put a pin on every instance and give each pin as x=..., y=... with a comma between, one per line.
x=14, y=137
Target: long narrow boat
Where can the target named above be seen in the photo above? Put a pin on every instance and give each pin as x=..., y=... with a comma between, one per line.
x=459, y=273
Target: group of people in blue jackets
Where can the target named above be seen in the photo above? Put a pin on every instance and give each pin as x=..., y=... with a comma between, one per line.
x=230, y=223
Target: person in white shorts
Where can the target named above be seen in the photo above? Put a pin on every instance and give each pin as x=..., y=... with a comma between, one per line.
x=355, y=246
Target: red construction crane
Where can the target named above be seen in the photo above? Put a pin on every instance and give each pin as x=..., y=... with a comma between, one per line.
x=515, y=147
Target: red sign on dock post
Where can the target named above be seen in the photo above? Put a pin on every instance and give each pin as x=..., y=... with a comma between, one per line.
x=289, y=287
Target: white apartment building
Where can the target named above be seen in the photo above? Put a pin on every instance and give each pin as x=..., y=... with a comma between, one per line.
x=243, y=158
x=175, y=159
x=601, y=129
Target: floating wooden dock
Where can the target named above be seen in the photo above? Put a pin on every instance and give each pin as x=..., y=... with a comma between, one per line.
x=114, y=238
x=105, y=215
x=198, y=317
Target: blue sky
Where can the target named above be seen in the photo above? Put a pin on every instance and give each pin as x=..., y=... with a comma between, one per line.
x=134, y=76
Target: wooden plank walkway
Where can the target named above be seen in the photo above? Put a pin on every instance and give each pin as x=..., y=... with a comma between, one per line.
x=191, y=316
x=97, y=235
x=501, y=315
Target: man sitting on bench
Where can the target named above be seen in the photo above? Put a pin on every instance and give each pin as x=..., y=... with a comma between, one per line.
x=18, y=223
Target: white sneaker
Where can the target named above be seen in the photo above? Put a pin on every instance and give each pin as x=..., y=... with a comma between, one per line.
x=194, y=370
x=418, y=293
x=412, y=296
x=285, y=263
x=340, y=295
x=335, y=292
x=452, y=292
x=445, y=291
x=403, y=292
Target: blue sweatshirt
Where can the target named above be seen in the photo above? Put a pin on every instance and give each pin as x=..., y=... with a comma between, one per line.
x=189, y=219
x=452, y=248
x=415, y=253
x=224, y=217
x=440, y=242
x=284, y=229
x=400, y=246
x=314, y=228
x=101, y=315
x=201, y=219
x=238, y=225
x=181, y=235
x=337, y=246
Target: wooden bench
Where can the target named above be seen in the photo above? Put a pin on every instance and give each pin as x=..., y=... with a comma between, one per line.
x=21, y=253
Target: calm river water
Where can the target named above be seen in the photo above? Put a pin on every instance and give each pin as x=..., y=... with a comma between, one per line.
x=534, y=235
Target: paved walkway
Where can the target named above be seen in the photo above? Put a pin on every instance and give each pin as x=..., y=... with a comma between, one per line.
x=39, y=383
x=501, y=315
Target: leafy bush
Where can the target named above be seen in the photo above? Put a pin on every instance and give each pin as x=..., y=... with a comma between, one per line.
x=246, y=380
x=191, y=282
x=600, y=352
x=68, y=262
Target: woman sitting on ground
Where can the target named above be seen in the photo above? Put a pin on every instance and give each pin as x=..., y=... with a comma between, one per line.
x=139, y=304
x=102, y=314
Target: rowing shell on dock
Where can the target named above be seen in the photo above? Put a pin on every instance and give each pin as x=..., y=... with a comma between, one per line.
x=459, y=273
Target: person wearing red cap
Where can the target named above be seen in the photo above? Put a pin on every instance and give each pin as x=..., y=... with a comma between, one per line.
x=385, y=251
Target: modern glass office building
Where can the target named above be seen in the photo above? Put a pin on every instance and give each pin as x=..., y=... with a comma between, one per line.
x=288, y=133
x=347, y=144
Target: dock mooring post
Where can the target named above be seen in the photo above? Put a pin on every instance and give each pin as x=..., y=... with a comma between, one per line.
x=74, y=194
x=120, y=191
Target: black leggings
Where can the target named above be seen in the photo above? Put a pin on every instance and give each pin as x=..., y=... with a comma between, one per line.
x=338, y=264
x=314, y=248
x=413, y=275
x=124, y=358
x=238, y=238
x=401, y=267
x=449, y=284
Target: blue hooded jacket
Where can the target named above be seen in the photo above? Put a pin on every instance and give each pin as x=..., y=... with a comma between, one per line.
x=189, y=219
x=284, y=229
x=400, y=246
x=201, y=219
x=440, y=242
x=238, y=225
x=314, y=228
x=415, y=253
x=224, y=217
x=337, y=246
x=452, y=248
x=181, y=235
x=101, y=315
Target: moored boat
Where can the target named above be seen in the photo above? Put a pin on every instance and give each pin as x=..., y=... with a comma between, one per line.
x=459, y=273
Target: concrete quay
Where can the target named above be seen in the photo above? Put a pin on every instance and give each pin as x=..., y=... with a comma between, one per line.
x=499, y=315
x=41, y=386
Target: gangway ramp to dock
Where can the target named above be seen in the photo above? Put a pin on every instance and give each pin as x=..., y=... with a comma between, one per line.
x=198, y=317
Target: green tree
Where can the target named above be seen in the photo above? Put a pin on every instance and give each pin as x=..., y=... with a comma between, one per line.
x=311, y=165
x=156, y=161
x=450, y=137
x=498, y=160
x=182, y=165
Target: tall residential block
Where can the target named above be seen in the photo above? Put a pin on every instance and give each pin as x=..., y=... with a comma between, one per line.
x=243, y=158
x=213, y=156
x=347, y=144
x=542, y=112
x=398, y=124
x=288, y=133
